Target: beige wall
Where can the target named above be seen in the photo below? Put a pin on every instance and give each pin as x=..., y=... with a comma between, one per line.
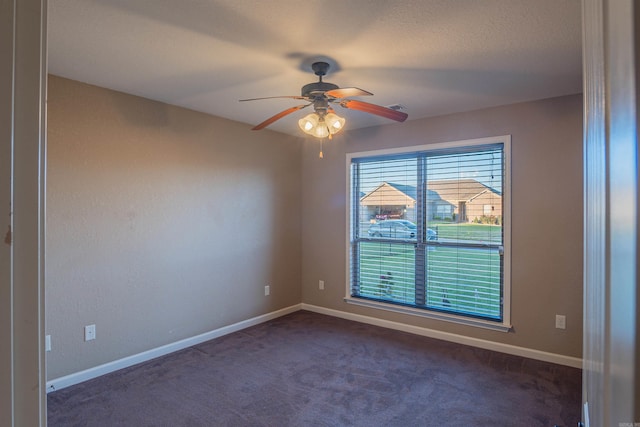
x=546, y=216
x=162, y=223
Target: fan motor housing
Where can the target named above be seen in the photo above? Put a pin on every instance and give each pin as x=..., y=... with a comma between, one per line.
x=317, y=88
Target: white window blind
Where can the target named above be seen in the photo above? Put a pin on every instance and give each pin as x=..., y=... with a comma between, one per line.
x=421, y=233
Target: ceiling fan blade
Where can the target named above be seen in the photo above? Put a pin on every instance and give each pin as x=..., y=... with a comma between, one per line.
x=346, y=92
x=273, y=97
x=378, y=110
x=279, y=116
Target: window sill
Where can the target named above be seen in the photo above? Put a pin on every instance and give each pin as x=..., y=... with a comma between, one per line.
x=486, y=324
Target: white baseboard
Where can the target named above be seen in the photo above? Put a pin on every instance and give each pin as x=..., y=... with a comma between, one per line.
x=78, y=377
x=544, y=356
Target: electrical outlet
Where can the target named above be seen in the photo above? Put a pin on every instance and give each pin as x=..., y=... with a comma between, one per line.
x=47, y=343
x=267, y=290
x=561, y=321
x=90, y=332
x=321, y=285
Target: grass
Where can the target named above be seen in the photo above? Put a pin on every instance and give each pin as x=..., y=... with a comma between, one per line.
x=458, y=279
x=467, y=231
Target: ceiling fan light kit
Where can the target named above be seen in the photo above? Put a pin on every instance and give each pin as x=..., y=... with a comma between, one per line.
x=321, y=126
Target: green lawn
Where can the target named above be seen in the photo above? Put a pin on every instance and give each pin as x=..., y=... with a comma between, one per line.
x=467, y=231
x=458, y=279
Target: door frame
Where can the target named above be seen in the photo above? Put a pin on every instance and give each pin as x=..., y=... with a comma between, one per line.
x=22, y=196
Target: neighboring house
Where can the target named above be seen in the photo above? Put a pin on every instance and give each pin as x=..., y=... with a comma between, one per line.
x=391, y=201
x=462, y=200
x=469, y=198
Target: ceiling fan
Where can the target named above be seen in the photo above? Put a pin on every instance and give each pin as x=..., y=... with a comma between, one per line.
x=324, y=122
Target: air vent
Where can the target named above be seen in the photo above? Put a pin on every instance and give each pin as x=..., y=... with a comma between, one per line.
x=397, y=107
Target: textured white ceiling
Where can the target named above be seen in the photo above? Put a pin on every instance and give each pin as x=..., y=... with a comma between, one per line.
x=432, y=56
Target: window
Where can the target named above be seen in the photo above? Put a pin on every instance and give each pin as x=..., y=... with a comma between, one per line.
x=448, y=255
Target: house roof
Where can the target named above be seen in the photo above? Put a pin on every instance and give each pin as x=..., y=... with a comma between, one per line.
x=452, y=191
x=387, y=194
x=409, y=190
x=460, y=190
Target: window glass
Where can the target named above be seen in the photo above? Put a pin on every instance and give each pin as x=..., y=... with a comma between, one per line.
x=427, y=229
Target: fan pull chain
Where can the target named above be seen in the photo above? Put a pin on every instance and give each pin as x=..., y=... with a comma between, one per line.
x=321, y=155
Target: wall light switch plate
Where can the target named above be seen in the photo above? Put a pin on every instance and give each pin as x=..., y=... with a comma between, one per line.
x=321, y=285
x=90, y=332
x=47, y=343
x=267, y=290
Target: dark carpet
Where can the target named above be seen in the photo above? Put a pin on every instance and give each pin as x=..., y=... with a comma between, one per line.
x=307, y=369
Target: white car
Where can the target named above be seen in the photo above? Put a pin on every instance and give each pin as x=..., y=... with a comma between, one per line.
x=398, y=229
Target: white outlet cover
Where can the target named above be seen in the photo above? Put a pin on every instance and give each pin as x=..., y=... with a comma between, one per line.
x=561, y=321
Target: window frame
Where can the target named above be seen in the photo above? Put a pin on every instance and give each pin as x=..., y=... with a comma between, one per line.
x=505, y=324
